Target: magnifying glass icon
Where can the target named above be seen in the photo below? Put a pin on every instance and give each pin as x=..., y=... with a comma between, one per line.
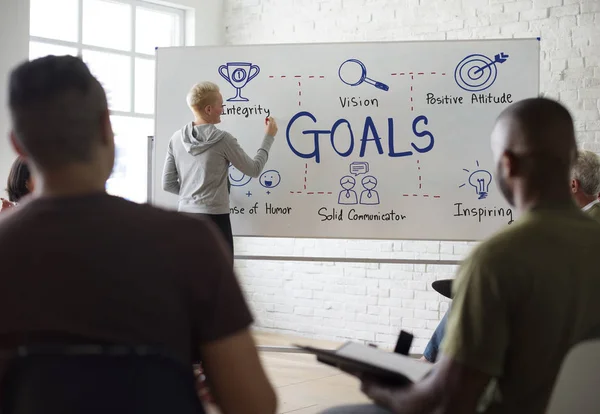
x=353, y=72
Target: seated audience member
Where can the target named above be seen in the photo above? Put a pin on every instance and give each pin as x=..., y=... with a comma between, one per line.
x=19, y=184
x=80, y=266
x=585, y=185
x=535, y=279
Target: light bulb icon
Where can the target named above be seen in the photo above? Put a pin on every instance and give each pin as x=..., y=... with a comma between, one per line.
x=480, y=180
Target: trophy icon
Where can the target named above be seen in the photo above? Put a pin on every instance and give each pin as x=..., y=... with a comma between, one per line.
x=238, y=74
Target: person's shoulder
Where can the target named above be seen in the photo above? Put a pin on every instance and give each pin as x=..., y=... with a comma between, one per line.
x=176, y=135
x=159, y=216
x=19, y=218
x=594, y=212
x=535, y=232
x=502, y=242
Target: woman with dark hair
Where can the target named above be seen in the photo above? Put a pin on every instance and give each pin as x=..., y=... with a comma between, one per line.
x=19, y=184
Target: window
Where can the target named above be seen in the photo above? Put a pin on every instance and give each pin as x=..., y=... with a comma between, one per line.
x=117, y=39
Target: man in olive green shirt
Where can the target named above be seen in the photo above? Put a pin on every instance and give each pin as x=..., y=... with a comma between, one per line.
x=535, y=279
x=585, y=183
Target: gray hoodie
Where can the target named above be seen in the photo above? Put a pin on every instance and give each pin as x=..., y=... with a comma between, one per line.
x=197, y=167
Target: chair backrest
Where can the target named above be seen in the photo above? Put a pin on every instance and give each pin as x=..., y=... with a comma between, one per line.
x=576, y=387
x=97, y=379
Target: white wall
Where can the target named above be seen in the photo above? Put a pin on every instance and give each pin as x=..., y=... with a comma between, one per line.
x=372, y=302
x=14, y=40
x=204, y=21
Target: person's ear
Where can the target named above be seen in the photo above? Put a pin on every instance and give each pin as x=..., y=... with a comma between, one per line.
x=575, y=185
x=107, y=134
x=511, y=165
x=16, y=145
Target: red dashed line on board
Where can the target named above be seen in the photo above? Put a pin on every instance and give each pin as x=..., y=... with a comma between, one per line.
x=299, y=83
x=418, y=73
x=423, y=195
x=305, y=181
x=412, y=78
x=311, y=192
x=305, y=174
x=297, y=76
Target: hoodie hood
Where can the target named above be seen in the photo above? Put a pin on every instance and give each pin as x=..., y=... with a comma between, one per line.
x=198, y=138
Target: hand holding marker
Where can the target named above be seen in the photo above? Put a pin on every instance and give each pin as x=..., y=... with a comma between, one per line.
x=270, y=126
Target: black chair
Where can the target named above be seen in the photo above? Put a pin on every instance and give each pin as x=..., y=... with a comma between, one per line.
x=443, y=287
x=97, y=379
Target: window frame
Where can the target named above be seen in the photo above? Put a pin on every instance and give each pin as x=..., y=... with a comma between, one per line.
x=131, y=54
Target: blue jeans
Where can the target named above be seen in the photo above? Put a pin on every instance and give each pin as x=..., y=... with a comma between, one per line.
x=433, y=346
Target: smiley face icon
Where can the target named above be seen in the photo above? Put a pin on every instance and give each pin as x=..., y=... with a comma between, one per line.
x=237, y=178
x=270, y=179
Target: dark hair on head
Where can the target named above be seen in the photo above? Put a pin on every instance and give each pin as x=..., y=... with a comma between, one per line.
x=57, y=109
x=16, y=186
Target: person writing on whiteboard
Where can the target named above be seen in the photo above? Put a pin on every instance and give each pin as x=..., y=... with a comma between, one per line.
x=198, y=158
x=535, y=279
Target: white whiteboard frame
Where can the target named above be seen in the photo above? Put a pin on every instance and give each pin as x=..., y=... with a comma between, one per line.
x=152, y=161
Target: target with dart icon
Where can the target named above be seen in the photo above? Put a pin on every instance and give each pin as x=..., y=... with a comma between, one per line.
x=478, y=72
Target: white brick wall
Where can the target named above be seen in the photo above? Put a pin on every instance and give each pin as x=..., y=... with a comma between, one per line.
x=372, y=302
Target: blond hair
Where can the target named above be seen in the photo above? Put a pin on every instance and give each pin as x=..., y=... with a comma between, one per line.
x=201, y=95
x=587, y=171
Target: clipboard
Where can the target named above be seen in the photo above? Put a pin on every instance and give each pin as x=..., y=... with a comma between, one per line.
x=351, y=365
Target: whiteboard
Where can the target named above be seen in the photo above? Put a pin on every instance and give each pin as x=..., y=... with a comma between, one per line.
x=376, y=140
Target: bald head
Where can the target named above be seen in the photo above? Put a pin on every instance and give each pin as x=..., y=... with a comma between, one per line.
x=536, y=127
x=534, y=142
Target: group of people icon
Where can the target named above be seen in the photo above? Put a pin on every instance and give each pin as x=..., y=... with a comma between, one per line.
x=369, y=196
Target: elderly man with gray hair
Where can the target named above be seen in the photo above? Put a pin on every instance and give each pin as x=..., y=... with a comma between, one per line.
x=585, y=183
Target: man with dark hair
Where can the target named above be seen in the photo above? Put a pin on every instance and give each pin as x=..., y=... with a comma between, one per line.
x=19, y=184
x=535, y=279
x=80, y=266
